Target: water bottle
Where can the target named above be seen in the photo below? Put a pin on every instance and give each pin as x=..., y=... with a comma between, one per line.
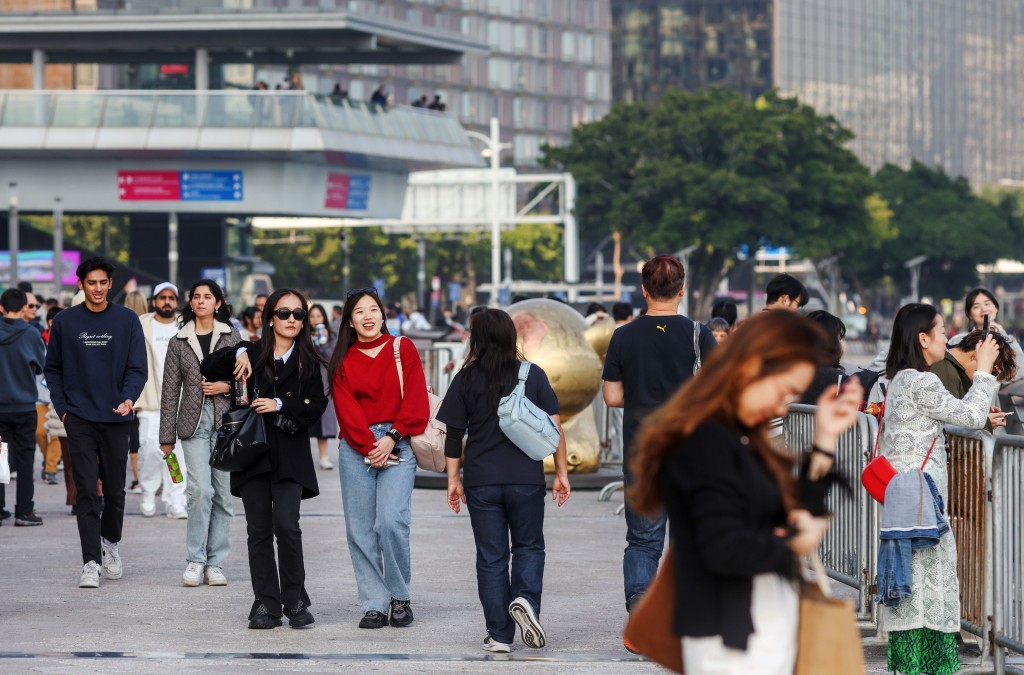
x=241, y=394
x=174, y=468
x=321, y=333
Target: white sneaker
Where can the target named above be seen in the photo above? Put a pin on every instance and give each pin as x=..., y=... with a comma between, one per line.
x=193, y=574
x=215, y=576
x=325, y=464
x=148, y=504
x=111, y=560
x=530, y=630
x=177, y=512
x=90, y=575
x=493, y=646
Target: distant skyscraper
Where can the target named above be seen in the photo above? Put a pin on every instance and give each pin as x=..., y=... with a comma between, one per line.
x=933, y=80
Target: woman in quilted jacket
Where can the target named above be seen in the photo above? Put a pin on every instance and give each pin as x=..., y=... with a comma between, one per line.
x=504, y=487
x=191, y=409
x=380, y=396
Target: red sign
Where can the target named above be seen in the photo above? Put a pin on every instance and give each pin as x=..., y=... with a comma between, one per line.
x=337, y=191
x=148, y=186
x=174, y=69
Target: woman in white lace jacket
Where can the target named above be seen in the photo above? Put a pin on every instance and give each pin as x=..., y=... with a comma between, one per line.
x=922, y=628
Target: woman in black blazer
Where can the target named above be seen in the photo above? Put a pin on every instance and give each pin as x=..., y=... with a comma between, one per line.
x=738, y=519
x=287, y=387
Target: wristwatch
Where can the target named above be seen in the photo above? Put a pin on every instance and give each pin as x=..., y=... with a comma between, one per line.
x=395, y=435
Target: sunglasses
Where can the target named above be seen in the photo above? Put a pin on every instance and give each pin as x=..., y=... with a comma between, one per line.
x=356, y=291
x=283, y=314
x=33, y=306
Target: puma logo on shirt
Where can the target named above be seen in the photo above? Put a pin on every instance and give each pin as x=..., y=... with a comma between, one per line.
x=661, y=328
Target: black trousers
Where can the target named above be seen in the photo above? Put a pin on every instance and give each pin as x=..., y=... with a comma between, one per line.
x=272, y=510
x=98, y=450
x=19, y=433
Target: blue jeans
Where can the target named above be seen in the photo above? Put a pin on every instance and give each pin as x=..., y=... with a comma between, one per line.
x=207, y=497
x=498, y=512
x=645, y=541
x=378, y=515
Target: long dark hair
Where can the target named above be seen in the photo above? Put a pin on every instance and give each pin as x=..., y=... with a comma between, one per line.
x=309, y=358
x=493, y=354
x=836, y=331
x=905, y=347
x=327, y=320
x=775, y=341
x=223, y=314
x=347, y=335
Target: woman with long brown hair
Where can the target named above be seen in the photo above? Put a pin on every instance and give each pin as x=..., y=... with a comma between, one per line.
x=738, y=519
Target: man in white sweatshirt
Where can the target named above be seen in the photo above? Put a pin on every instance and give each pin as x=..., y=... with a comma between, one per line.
x=159, y=328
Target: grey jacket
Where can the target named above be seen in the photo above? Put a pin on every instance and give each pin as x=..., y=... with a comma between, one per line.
x=181, y=392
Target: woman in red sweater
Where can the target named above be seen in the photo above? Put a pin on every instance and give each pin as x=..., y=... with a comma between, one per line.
x=375, y=460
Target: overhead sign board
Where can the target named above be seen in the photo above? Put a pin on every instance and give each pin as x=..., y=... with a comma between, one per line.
x=178, y=186
x=346, y=191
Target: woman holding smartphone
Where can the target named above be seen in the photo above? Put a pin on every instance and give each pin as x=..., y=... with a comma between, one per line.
x=190, y=409
x=375, y=459
x=287, y=388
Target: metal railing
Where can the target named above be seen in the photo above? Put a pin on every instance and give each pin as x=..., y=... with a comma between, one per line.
x=435, y=361
x=849, y=550
x=237, y=109
x=1008, y=548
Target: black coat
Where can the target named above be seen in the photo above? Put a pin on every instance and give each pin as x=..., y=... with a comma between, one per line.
x=303, y=398
x=723, y=508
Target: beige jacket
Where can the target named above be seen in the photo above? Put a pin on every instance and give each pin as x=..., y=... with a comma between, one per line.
x=150, y=398
x=181, y=401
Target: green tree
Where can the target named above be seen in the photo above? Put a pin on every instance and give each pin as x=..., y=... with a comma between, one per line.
x=711, y=169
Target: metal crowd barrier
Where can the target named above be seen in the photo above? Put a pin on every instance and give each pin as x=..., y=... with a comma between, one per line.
x=434, y=360
x=849, y=550
x=1007, y=499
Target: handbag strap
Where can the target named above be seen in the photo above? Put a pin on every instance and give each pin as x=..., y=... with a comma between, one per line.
x=398, y=364
x=881, y=421
x=930, y=448
x=696, y=347
x=524, y=371
x=819, y=574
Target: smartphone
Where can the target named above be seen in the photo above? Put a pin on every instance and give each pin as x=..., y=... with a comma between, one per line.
x=986, y=327
x=391, y=462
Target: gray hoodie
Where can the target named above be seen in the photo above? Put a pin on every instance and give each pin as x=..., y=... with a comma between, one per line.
x=22, y=356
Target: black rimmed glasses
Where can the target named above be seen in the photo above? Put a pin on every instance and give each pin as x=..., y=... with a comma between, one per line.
x=356, y=291
x=284, y=313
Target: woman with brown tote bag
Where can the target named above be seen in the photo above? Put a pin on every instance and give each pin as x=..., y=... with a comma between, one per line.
x=738, y=520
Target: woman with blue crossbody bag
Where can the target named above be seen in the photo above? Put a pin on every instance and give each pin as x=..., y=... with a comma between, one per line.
x=503, y=477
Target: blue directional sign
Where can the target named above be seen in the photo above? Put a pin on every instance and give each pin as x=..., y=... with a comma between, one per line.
x=212, y=186
x=218, y=275
x=359, y=192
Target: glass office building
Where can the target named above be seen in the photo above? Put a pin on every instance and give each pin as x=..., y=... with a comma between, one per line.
x=933, y=80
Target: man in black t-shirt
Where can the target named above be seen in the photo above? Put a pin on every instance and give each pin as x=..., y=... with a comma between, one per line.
x=648, y=360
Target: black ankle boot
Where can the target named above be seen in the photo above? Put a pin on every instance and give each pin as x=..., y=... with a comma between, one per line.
x=260, y=618
x=299, y=617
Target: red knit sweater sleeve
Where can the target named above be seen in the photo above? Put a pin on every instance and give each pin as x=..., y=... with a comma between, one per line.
x=415, y=409
x=351, y=418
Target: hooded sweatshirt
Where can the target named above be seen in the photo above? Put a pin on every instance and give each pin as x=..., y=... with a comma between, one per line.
x=22, y=356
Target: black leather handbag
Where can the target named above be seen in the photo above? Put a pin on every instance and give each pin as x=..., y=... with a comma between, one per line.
x=241, y=440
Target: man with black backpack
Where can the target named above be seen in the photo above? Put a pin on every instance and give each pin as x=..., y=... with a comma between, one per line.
x=648, y=360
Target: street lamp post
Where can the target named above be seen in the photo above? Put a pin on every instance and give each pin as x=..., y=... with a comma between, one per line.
x=914, y=265
x=12, y=231
x=684, y=258
x=493, y=149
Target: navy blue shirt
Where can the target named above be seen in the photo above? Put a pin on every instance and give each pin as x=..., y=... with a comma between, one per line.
x=95, y=362
x=490, y=457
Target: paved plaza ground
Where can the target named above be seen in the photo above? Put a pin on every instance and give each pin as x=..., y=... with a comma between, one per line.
x=148, y=622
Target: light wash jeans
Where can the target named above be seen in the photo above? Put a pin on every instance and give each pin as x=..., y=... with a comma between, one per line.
x=208, y=533
x=153, y=471
x=378, y=515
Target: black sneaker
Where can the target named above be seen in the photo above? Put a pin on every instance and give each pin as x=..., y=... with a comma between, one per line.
x=373, y=619
x=28, y=520
x=401, y=613
x=4, y=514
x=298, y=617
x=260, y=618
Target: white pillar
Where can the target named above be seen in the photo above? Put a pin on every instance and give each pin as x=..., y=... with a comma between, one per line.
x=58, y=244
x=570, y=235
x=12, y=231
x=495, y=147
x=38, y=69
x=202, y=69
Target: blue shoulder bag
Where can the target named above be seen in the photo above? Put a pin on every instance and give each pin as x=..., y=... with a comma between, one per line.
x=530, y=428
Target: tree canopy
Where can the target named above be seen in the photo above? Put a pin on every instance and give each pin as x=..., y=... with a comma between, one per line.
x=711, y=169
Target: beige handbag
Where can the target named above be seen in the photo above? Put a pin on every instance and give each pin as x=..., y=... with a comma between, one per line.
x=828, y=640
x=428, y=447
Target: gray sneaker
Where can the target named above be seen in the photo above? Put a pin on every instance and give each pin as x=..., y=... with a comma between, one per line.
x=90, y=575
x=530, y=630
x=111, y=560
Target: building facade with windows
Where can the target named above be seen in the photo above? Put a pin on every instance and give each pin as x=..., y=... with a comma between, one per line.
x=933, y=80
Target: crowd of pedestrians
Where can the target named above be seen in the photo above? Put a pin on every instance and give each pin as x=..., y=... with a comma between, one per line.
x=695, y=409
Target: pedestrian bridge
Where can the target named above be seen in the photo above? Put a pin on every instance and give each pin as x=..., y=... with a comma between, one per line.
x=287, y=153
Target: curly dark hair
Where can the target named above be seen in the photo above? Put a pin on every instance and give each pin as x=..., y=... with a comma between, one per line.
x=1005, y=368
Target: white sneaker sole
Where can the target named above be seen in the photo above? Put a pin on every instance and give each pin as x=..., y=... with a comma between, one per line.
x=531, y=632
x=89, y=583
x=216, y=582
x=498, y=649
x=191, y=583
x=111, y=572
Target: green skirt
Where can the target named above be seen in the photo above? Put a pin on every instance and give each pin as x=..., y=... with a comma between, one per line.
x=923, y=650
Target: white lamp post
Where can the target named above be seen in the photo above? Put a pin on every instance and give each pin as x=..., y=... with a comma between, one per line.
x=493, y=150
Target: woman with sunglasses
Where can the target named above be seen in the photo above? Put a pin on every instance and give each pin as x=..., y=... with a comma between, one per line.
x=377, y=412
x=287, y=388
